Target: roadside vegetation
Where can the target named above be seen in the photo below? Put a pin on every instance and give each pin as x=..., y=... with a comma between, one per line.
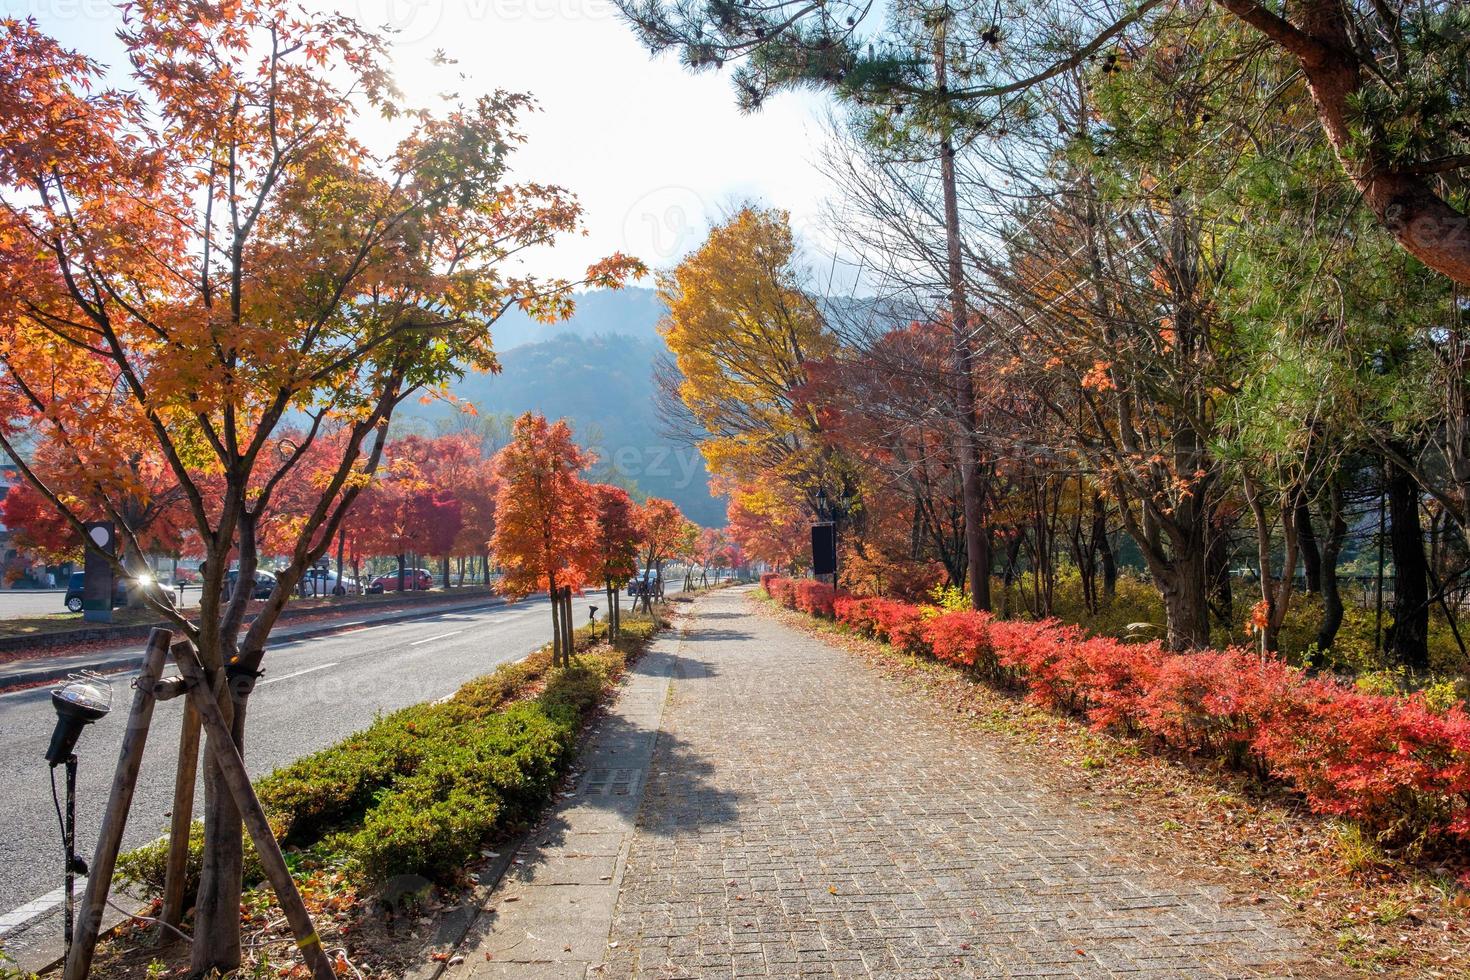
x=1184, y=782
x=1398, y=766
x=393, y=824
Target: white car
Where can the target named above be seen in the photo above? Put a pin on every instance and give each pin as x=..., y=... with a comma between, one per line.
x=327, y=585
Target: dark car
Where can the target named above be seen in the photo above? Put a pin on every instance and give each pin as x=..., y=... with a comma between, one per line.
x=415, y=579
x=122, y=589
x=645, y=582
x=265, y=583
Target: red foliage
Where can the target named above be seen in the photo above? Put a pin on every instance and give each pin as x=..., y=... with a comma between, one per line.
x=783, y=590
x=617, y=534
x=959, y=638
x=815, y=598
x=897, y=623
x=1392, y=763
x=545, y=532
x=37, y=526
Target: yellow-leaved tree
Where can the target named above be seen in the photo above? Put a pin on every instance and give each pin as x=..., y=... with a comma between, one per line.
x=742, y=331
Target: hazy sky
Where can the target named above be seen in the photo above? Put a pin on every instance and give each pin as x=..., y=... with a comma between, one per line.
x=653, y=151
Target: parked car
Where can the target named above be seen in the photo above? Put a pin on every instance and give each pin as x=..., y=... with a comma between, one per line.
x=122, y=591
x=645, y=582
x=414, y=579
x=316, y=584
x=265, y=583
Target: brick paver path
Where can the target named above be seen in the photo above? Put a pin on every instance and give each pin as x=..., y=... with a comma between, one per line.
x=804, y=816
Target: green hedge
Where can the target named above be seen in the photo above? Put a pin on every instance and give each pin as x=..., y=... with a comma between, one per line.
x=144, y=866
x=335, y=787
x=421, y=790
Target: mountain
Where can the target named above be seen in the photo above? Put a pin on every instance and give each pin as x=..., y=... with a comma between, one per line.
x=632, y=312
x=594, y=370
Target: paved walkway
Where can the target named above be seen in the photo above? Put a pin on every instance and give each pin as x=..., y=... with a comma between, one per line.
x=802, y=816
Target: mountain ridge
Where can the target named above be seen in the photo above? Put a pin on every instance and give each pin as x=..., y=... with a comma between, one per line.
x=595, y=370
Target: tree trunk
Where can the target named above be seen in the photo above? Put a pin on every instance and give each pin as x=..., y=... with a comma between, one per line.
x=1319, y=34
x=216, y=944
x=1408, y=636
x=977, y=549
x=568, y=628
x=1186, y=612
x=1104, y=548
x=1331, y=595
x=1307, y=542
x=555, y=623
x=1217, y=572
x=612, y=618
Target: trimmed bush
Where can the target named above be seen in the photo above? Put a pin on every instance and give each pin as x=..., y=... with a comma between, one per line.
x=495, y=772
x=783, y=590
x=1395, y=764
x=420, y=791
x=815, y=598
x=146, y=867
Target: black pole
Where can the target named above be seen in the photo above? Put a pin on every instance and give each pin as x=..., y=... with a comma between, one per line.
x=69, y=836
x=1378, y=592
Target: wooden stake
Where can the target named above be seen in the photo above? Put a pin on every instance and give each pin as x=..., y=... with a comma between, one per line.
x=232, y=769
x=115, y=817
x=181, y=821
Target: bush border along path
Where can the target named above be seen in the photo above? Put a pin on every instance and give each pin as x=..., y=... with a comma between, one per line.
x=414, y=798
x=1393, y=764
x=1377, y=913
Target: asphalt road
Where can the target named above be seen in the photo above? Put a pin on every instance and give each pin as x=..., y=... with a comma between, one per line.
x=15, y=603
x=314, y=693
x=19, y=603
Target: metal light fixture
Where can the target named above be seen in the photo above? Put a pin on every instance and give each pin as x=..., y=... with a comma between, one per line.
x=83, y=699
x=592, y=620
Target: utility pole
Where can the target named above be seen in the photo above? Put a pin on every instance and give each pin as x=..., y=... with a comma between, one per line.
x=977, y=542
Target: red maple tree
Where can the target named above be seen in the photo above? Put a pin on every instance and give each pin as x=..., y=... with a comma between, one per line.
x=545, y=529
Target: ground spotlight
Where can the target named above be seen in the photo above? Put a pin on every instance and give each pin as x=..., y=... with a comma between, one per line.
x=83, y=699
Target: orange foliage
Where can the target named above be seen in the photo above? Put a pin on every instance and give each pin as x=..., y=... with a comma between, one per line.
x=546, y=518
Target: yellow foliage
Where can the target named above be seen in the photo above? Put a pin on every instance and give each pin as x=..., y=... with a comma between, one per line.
x=742, y=331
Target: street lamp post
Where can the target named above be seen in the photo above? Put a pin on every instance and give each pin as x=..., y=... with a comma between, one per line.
x=83, y=699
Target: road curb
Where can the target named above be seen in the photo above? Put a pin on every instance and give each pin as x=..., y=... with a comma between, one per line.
x=116, y=663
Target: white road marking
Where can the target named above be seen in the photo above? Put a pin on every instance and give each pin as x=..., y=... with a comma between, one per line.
x=11, y=921
x=431, y=639
x=287, y=677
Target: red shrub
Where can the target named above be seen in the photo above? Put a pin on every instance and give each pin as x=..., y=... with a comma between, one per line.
x=900, y=625
x=1213, y=702
x=783, y=590
x=852, y=611
x=1392, y=763
x=766, y=579
x=960, y=638
x=815, y=598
